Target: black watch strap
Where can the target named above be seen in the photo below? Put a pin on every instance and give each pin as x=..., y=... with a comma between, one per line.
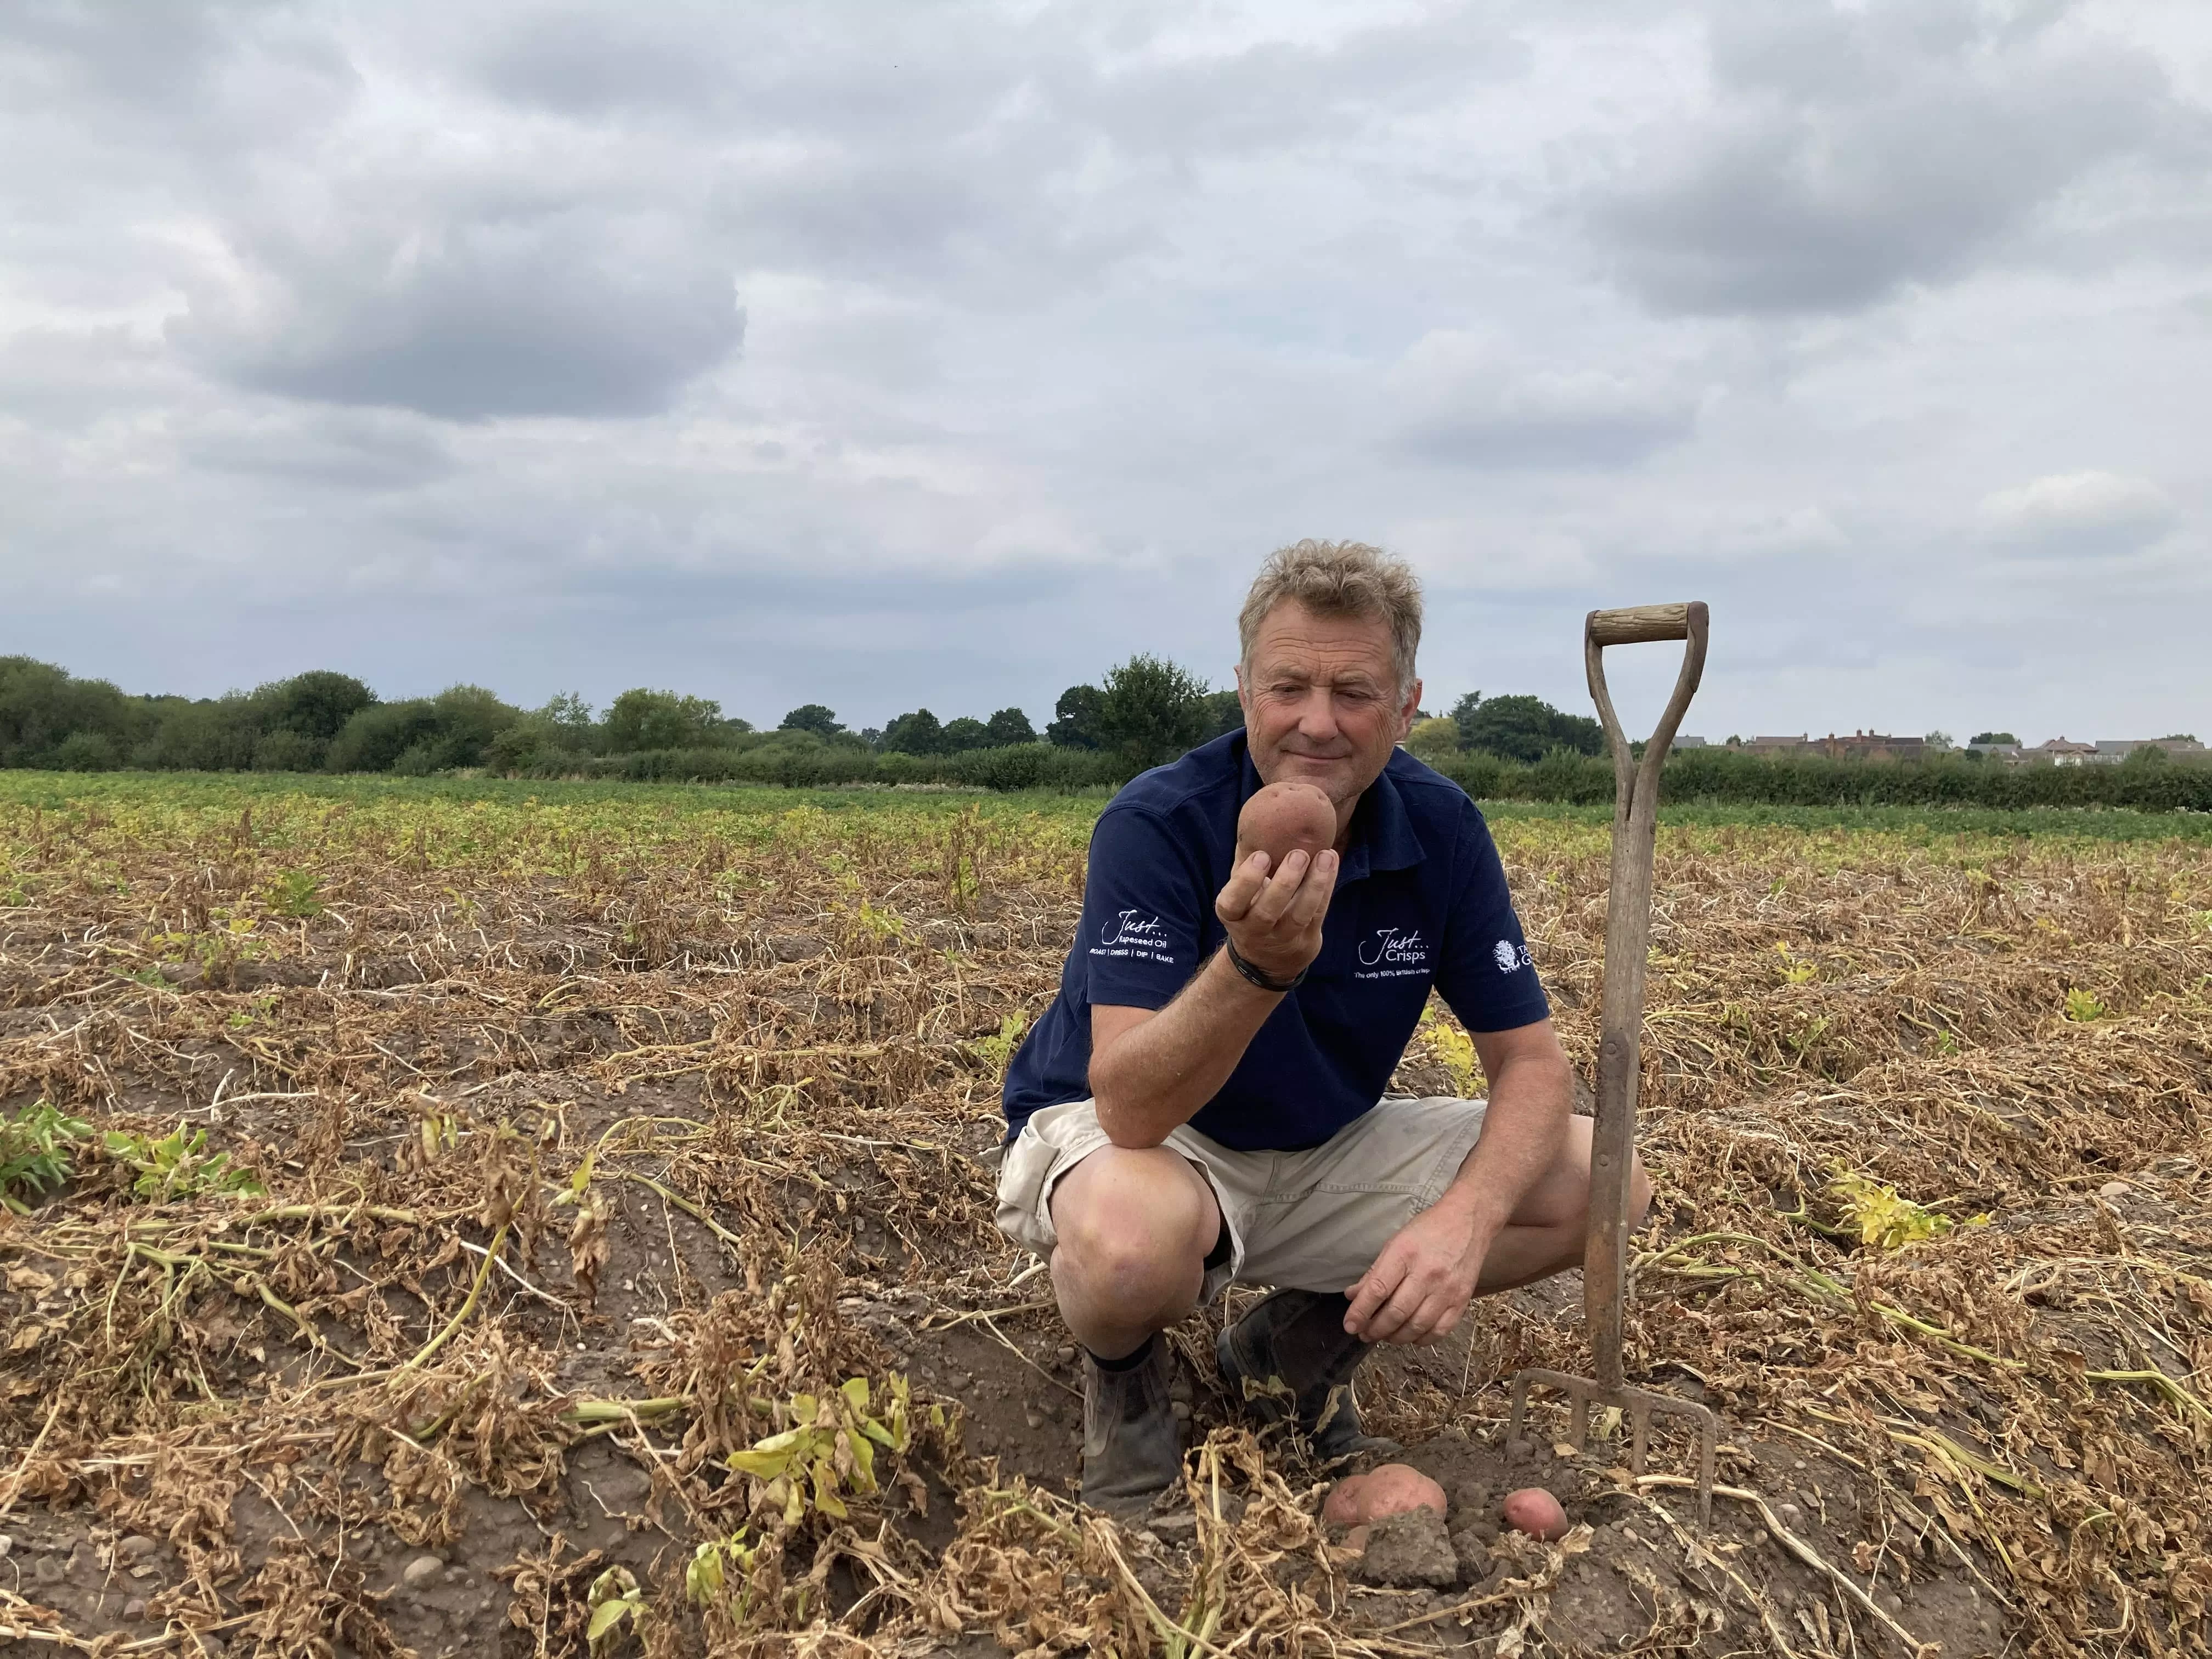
x=1265, y=981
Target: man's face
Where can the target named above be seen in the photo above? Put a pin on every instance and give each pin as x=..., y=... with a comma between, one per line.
x=1321, y=702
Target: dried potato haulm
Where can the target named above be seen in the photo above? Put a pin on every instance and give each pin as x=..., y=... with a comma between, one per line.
x=453, y=1218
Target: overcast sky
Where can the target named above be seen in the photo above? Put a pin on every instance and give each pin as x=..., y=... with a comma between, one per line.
x=909, y=353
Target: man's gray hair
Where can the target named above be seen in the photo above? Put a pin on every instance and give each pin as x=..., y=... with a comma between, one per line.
x=1339, y=579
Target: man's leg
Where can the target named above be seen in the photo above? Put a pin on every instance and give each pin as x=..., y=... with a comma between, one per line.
x=1358, y=1192
x=1135, y=1228
x=1548, y=1228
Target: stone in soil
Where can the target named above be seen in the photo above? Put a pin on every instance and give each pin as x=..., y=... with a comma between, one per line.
x=1472, y=1545
x=422, y=1570
x=1409, y=1550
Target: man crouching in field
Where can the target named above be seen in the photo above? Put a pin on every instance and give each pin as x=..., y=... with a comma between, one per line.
x=1203, y=1103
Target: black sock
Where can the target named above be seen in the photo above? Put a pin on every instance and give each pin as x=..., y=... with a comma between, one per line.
x=1127, y=1362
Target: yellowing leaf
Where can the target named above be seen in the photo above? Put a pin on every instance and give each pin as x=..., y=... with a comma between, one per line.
x=764, y=1465
x=605, y=1618
x=1880, y=1215
x=702, y=1579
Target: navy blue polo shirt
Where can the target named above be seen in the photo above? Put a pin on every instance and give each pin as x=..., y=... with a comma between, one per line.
x=1421, y=901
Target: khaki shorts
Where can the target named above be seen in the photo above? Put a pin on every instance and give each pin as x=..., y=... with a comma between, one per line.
x=1310, y=1220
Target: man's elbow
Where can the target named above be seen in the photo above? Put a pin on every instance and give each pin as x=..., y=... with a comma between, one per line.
x=1131, y=1138
x=1544, y=1081
x=1125, y=1122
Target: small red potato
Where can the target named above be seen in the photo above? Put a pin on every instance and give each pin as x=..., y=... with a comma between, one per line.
x=1536, y=1512
x=1283, y=819
x=1341, y=1508
x=1393, y=1489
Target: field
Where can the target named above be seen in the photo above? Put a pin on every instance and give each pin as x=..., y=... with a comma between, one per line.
x=458, y=1218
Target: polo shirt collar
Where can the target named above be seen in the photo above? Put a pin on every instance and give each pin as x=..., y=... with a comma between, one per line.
x=1383, y=835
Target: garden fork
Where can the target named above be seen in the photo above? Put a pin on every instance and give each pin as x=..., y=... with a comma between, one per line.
x=1612, y=1142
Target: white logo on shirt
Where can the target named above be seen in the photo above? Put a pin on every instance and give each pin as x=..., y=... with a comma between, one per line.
x=1397, y=946
x=1510, y=957
x=1134, y=934
x=1392, y=953
x=1134, y=928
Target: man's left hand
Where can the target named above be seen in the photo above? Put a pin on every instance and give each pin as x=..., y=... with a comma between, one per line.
x=1422, y=1282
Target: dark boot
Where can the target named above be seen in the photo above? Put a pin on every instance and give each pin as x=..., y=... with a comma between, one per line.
x=1132, y=1444
x=1291, y=1356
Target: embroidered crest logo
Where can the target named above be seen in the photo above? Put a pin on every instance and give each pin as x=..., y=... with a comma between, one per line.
x=1510, y=957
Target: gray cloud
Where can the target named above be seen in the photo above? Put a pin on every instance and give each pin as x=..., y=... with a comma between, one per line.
x=62, y=377
x=157, y=54
x=1463, y=402
x=2071, y=515
x=407, y=339
x=345, y=449
x=546, y=313
x=592, y=65
x=202, y=75
x=1846, y=153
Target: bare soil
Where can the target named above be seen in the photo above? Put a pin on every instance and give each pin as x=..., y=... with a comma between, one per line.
x=588, y=1162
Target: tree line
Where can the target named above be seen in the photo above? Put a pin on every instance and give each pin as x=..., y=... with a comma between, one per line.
x=1144, y=711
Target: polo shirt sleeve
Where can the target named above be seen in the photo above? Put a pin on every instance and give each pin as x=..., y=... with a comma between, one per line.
x=1144, y=907
x=1486, y=975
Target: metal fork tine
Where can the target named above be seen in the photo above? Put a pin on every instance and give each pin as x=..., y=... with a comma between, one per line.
x=1709, y=1436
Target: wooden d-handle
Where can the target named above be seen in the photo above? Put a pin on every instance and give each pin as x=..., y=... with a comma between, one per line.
x=1639, y=624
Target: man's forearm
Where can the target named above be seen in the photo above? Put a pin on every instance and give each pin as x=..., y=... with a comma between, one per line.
x=1155, y=1078
x=1530, y=1101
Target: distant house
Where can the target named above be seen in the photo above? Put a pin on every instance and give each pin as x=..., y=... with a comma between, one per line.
x=1774, y=747
x=2059, y=752
x=1871, y=745
x=1692, y=743
x=2009, y=753
x=2110, y=751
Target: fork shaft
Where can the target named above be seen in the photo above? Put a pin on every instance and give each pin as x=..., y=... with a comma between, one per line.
x=1627, y=945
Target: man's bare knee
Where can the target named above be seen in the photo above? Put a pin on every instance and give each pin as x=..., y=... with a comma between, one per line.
x=1134, y=1228
x=1561, y=1197
x=1639, y=1192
